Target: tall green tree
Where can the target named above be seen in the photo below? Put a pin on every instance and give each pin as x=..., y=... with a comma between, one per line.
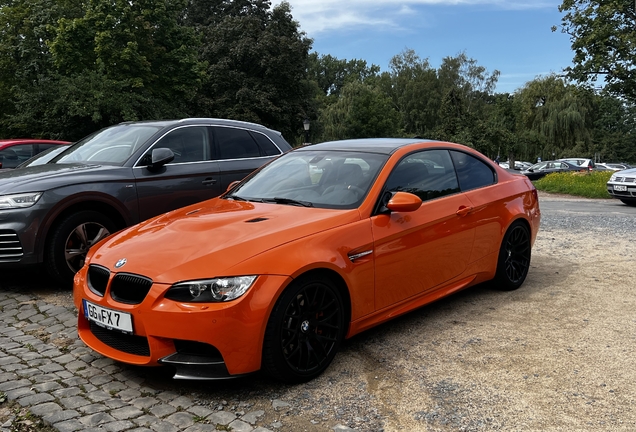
x=603, y=37
x=257, y=62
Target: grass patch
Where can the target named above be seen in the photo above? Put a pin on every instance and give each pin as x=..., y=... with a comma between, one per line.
x=588, y=185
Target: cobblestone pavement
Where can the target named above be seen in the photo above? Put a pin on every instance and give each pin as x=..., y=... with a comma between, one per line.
x=45, y=367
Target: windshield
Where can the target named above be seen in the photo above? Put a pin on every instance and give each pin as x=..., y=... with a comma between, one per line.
x=110, y=146
x=314, y=178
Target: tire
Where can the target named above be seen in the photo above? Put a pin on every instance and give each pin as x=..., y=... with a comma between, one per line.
x=631, y=203
x=304, y=331
x=74, y=234
x=514, y=258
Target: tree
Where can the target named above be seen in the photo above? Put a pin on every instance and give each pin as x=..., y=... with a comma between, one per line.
x=361, y=111
x=603, y=37
x=331, y=73
x=257, y=61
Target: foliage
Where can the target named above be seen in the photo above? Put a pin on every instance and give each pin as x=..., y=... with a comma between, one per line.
x=589, y=185
x=603, y=38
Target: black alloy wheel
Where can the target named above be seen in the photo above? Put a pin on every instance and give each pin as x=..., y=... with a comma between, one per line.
x=304, y=331
x=514, y=258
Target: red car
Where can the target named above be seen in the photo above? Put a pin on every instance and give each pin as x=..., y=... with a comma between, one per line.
x=15, y=151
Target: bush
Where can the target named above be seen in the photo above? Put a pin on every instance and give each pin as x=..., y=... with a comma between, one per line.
x=589, y=185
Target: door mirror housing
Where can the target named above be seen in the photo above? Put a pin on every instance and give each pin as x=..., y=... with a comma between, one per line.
x=160, y=157
x=404, y=202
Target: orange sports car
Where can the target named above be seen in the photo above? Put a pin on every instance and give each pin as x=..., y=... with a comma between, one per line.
x=322, y=243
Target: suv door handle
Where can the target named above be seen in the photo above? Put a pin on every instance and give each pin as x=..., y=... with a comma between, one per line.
x=209, y=181
x=463, y=211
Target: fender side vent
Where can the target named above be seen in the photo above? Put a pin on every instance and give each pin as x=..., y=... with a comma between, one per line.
x=259, y=219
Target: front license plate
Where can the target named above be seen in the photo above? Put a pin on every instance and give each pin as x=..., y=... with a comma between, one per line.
x=109, y=318
x=620, y=188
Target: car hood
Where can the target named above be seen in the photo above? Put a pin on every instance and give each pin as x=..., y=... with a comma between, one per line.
x=631, y=171
x=46, y=177
x=205, y=240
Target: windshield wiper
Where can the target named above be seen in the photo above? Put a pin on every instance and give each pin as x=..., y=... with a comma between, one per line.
x=279, y=200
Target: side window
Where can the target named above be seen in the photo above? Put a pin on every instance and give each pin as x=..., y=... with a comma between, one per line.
x=232, y=143
x=189, y=144
x=268, y=148
x=24, y=151
x=42, y=147
x=428, y=174
x=472, y=172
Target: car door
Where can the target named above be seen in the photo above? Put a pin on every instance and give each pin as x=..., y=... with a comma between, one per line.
x=191, y=177
x=417, y=251
x=240, y=151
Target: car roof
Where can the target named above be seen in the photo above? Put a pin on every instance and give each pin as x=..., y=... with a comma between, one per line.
x=10, y=142
x=196, y=121
x=372, y=145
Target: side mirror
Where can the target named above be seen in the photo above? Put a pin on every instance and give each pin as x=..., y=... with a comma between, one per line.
x=530, y=169
x=404, y=202
x=160, y=157
x=231, y=185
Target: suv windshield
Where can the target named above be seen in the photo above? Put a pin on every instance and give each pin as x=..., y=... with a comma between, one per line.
x=326, y=179
x=110, y=146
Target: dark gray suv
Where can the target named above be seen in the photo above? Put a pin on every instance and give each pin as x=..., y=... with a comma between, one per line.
x=119, y=176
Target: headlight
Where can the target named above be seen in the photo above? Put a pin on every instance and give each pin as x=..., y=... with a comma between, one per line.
x=19, y=200
x=211, y=290
x=613, y=178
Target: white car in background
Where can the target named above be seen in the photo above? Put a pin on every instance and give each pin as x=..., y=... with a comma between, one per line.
x=622, y=186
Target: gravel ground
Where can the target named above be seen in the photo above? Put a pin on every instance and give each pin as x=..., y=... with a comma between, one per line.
x=555, y=355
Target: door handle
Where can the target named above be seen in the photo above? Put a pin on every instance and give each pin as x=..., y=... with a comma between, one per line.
x=209, y=181
x=463, y=211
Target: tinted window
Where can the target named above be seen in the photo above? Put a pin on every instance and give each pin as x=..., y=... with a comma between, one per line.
x=232, y=143
x=268, y=148
x=428, y=174
x=472, y=172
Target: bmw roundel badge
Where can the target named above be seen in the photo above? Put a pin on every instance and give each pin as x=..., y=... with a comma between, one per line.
x=120, y=263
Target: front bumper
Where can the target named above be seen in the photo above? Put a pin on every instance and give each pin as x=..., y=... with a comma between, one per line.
x=201, y=341
x=18, y=233
x=622, y=190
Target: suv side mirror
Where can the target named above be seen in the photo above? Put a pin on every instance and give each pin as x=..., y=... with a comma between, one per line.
x=160, y=157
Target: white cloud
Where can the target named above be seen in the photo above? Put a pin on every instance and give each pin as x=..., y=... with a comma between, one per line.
x=316, y=16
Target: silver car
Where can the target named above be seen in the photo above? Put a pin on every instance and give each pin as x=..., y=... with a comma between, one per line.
x=622, y=186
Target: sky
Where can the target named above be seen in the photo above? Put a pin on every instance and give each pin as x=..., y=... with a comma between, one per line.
x=511, y=36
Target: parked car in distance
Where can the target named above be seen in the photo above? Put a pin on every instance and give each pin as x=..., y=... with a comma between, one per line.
x=53, y=213
x=317, y=246
x=15, y=151
x=622, y=186
x=582, y=162
x=41, y=158
x=518, y=165
x=613, y=166
x=542, y=169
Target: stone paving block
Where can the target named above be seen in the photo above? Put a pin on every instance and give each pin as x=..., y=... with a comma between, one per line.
x=51, y=367
x=93, y=408
x=10, y=345
x=201, y=427
x=13, y=367
x=47, y=386
x=112, y=369
x=64, y=359
x=118, y=426
x=129, y=394
x=52, y=353
x=10, y=385
x=88, y=372
x=113, y=386
x=168, y=395
x=59, y=416
x=163, y=426
x=69, y=426
x=67, y=392
x=35, y=399
x=44, y=378
x=96, y=419
x=38, y=361
x=64, y=374
x=222, y=417
x=240, y=426
x=26, y=314
x=141, y=429
x=262, y=429
x=28, y=372
x=181, y=420
x=114, y=403
x=20, y=392
x=9, y=360
x=74, y=402
x=126, y=412
x=100, y=380
x=200, y=411
x=145, y=402
x=145, y=420
x=45, y=409
x=36, y=318
x=98, y=396
x=8, y=376
x=181, y=402
x=162, y=410
x=253, y=416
